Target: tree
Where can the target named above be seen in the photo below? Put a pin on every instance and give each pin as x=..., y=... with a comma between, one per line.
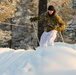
x=7, y=9
x=42, y=9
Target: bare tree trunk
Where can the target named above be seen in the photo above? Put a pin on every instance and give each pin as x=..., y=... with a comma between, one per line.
x=42, y=9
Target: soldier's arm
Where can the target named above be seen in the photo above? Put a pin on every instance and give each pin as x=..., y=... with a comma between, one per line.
x=33, y=19
x=61, y=23
x=39, y=18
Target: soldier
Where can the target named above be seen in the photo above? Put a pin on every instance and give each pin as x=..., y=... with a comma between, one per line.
x=52, y=23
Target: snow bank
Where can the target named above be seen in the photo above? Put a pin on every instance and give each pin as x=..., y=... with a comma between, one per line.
x=65, y=44
x=57, y=60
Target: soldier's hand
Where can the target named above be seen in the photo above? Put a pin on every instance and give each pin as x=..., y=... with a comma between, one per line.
x=33, y=19
x=59, y=29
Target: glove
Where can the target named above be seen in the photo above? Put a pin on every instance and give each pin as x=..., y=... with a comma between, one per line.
x=59, y=29
x=33, y=19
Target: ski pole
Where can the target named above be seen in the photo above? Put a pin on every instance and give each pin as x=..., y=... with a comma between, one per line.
x=61, y=36
x=35, y=35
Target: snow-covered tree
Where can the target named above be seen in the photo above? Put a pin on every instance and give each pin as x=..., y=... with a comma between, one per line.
x=7, y=9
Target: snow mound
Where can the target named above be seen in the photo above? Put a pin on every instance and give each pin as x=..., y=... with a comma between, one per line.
x=57, y=60
x=65, y=44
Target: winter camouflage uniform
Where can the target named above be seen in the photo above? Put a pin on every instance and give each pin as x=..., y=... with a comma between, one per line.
x=53, y=22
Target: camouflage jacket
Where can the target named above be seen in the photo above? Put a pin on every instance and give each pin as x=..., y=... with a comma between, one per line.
x=54, y=22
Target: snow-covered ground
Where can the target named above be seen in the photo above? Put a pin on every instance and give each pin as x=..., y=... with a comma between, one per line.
x=57, y=60
x=66, y=44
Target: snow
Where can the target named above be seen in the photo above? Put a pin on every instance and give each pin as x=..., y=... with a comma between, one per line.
x=66, y=44
x=55, y=60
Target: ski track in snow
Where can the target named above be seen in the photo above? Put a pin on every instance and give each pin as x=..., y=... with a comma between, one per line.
x=12, y=58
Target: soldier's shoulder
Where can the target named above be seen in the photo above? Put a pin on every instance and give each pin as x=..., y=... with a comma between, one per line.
x=57, y=15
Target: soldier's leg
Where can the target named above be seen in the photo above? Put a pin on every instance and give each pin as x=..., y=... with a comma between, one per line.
x=51, y=37
x=43, y=40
